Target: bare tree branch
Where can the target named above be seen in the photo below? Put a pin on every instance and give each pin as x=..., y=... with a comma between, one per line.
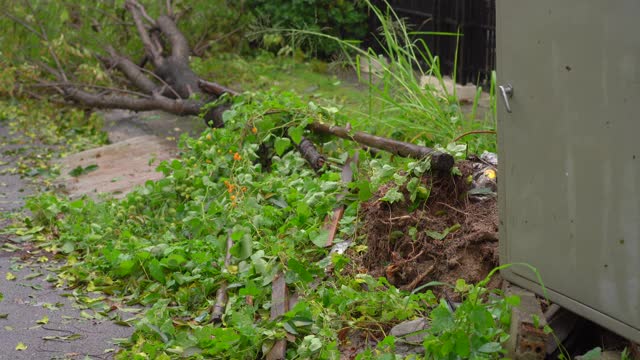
x=216, y=89
x=179, y=45
x=132, y=72
x=152, y=51
x=157, y=102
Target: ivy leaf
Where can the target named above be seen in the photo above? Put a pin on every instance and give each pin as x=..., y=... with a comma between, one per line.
x=79, y=170
x=155, y=270
x=300, y=270
x=392, y=195
x=321, y=239
x=296, y=134
x=282, y=144
x=243, y=248
x=439, y=236
x=493, y=347
x=441, y=318
x=364, y=190
x=463, y=344
x=68, y=247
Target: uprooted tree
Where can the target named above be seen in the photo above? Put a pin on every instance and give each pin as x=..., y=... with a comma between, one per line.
x=173, y=86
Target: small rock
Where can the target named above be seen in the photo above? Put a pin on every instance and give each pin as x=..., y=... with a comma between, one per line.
x=410, y=335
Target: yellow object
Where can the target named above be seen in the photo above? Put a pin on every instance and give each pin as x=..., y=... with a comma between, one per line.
x=491, y=174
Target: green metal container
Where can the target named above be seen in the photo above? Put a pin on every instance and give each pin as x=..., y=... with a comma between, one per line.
x=569, y=154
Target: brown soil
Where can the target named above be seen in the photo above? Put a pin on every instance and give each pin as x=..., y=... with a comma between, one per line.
x=468, y=253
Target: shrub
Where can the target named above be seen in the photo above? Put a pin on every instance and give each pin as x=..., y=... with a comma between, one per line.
x=339, y=18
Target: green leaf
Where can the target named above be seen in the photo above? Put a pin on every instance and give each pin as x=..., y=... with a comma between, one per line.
x=298, y=268
x=392, y=195
x=364, y=190
x=463, y=344
x=480, y=191
x=21, y=346
x=79, y=170
x=296, y=133
x=290, y=328
x=68, y=247
x=43, y=321
x=439, y=236
x=243, y=248
x=125, y=267
x=156, y=272
x=9, y=276
x=489, y=348
x=282, y=144
x=321, y=239
x=441, y=318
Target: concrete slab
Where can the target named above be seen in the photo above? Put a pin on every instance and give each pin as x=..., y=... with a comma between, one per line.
x=125, y=124
x=120, y=166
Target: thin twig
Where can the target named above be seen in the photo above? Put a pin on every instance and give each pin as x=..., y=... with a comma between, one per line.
x=154, y=53
x=169, y=9
x=452, y=208
x=143, y=11
x=412, y=285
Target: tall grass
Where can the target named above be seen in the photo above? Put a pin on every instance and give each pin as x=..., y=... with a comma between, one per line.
x=399, y=105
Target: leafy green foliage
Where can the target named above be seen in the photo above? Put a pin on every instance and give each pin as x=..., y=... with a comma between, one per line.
x=163, y=246
x=476, y=329
x=344, y=19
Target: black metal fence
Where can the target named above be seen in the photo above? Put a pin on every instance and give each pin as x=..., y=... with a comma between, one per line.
x=474, y=19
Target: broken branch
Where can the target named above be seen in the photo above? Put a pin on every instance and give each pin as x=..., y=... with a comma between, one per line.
x=152, y=51
x=439, y=161
x=131, y=71
x=179, y=45
x=178, y=106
